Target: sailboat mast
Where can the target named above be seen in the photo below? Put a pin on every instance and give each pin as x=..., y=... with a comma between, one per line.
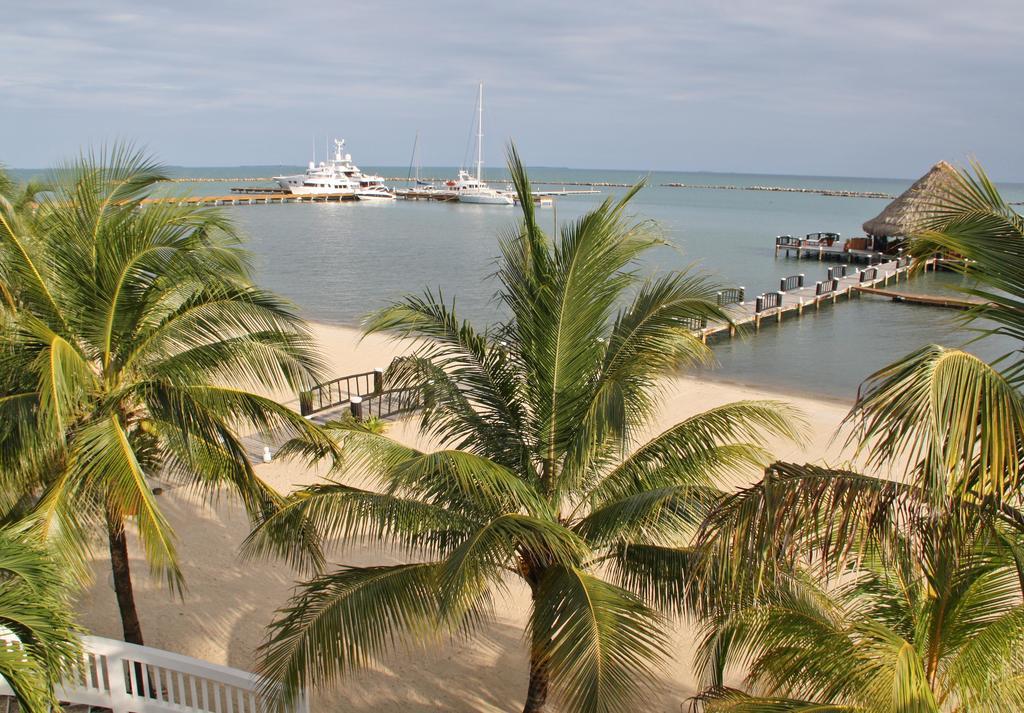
x=480, y=131
x=412, y=159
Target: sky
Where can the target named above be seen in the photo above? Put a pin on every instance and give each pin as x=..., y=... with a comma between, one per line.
x=879, y=88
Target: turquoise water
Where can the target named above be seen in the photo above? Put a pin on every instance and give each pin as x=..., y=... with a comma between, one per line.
x=339, y=261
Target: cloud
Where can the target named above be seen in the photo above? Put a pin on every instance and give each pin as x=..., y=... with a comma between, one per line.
x=828, y=86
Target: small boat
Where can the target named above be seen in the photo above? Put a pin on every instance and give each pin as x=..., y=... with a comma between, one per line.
x=472, y=189
x=374, y=192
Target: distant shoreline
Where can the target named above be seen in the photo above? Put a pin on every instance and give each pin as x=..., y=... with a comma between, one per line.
x=830, y=192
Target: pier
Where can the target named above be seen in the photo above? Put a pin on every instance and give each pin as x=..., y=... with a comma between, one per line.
x=796, y=293
x=255, y=196
x=929, y=300
x=826, y=246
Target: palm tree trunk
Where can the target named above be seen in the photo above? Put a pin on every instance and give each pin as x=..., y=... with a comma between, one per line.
x=123, y=580
x=537, y=693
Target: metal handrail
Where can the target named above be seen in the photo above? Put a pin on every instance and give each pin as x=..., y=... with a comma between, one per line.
x=339, y=392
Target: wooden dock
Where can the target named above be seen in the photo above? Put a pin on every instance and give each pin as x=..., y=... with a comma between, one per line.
x=797, y=294
x=255, y=197
x=824, y=249
x=929, y=300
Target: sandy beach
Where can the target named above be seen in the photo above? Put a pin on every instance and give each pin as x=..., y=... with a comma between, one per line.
x=229, y=602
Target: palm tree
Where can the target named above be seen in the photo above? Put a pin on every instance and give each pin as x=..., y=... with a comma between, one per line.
x=952, y=525
x=541, y=476
x=868, y=597
x=131, y=333
x=36, y=620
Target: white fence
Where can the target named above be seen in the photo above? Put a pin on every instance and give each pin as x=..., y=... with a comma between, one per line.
x=138, y=679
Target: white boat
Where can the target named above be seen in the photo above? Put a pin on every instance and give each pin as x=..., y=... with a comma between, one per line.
x=472, y=189
x=337, y=176
x=374, y=192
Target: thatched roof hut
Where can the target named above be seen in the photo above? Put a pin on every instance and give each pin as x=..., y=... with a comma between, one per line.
x=902, y=215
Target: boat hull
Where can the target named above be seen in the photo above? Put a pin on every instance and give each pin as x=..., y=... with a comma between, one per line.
x=318, y=191
x=485, y=198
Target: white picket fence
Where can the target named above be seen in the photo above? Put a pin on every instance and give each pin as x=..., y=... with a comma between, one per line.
x=138, y=679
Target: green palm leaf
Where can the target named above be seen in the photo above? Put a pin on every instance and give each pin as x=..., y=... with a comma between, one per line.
x=598, y=641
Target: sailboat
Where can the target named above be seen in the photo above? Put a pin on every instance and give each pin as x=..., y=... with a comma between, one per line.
x=419, y=188
x=472, y=189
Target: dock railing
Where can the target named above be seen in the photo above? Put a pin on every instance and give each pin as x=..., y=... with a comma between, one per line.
x=793, y=282
x=125, y=678
x=768, y=300
x=386, y=404
x=826, y=287
x=694, y=324
x=338, y=392
x=838, y=271
x=868, y=274
x=731, y=295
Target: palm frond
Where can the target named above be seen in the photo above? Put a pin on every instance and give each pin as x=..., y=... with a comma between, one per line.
x=345, y=620
x=954, y=419
x=599, y=641
x=701, y=447
x=35, y=608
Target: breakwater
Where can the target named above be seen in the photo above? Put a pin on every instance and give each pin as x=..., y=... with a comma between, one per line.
x=589, y=184
x=832, y=192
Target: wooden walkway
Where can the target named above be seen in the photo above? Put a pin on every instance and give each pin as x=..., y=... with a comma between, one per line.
x=930, y=300
x=254, y=198
x=774, y=306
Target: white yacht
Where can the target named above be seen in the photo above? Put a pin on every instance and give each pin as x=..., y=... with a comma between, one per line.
x=337, y=176
x=469, y=188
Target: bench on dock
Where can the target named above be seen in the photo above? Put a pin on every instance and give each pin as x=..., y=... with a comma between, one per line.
x=816, y=239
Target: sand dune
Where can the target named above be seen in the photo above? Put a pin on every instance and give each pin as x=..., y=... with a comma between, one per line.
x=229, y=603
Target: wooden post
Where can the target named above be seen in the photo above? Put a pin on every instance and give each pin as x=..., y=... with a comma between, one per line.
x=378, y=381
x=356, y=405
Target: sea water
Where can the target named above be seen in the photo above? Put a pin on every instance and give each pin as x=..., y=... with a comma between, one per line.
x=340, y=261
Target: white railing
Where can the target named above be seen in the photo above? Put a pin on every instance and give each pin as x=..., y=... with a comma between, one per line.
x=138, y=679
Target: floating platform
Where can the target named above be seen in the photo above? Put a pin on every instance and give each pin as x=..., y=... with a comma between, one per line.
x=929, y=300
